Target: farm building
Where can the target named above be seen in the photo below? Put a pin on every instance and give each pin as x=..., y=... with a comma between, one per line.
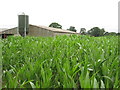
x=2, y=29
x=37, y=31
x=25, y=29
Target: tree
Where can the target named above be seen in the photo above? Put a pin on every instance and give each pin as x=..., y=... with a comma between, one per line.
x=102, y=32
x=96, y=31
x=55, y=25
x=83, y=31
x=106, y=33
x=72, y=28
x=111, y=33
x=118, y=33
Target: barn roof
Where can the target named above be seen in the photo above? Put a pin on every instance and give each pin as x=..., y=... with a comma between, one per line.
x=5, y=30
x=2, y=29
x=55, y=29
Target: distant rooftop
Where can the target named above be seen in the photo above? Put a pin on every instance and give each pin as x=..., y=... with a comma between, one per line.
x=2, y=29
x=55, y=29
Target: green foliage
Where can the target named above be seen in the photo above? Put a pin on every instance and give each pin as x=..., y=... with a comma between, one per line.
x=55, y=25
x=111, y=33
x=72, y=28
x=1, y=63
x=96, y=31
x=61, y=62
x=83, y=31
x=118, y=33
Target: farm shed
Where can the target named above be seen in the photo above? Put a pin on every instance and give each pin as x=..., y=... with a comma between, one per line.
x=47, y=31
x=26, y=29
x=37, y=31
x=9, y=32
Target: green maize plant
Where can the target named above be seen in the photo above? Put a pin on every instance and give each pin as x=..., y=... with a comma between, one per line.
x=61, y=62
x=1, y=63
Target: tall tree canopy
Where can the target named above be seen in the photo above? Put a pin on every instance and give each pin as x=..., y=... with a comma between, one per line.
x=111, y=33
x=55, y=25
x=72, y=28
x=83, y=31
x=96, y=31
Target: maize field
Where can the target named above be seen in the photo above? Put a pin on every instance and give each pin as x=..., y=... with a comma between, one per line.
x=60, y=62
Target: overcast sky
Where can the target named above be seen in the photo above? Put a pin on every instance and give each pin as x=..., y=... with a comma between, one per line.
x=78, y=13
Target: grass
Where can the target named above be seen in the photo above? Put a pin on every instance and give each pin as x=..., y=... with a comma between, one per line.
x=0, y=63
x=61, y=62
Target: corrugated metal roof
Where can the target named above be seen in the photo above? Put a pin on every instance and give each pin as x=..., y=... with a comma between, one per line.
x=2, y=29
x=55, y=29
x=5, y=30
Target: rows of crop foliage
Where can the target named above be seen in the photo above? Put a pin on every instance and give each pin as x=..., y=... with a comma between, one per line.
x=61, y=62
x=0, y=63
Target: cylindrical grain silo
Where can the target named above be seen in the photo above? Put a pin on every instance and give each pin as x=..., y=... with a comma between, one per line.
x=23, y=24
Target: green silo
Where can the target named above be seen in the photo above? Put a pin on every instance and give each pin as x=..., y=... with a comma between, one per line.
x=23, y=24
